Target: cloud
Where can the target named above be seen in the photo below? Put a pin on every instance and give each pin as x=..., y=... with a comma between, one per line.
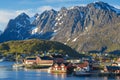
x=117, y=6
x=5, y=16
x=43, y=8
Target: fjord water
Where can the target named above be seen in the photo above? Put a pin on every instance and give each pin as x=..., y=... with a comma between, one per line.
x=8, y=73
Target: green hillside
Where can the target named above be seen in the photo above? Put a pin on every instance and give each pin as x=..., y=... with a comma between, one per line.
x=35, y=46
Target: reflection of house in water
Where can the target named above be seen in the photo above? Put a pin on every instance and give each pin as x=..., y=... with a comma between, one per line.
x=45, y=60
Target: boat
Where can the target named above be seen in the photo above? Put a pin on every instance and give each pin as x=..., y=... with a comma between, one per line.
x=81, y=72
x=82, y=69
x=17, y=64
x=114, y=70
x=2, y=59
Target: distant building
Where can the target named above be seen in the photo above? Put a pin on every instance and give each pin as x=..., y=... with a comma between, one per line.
x=46, y=60
x=30, y=61
x=58, y=68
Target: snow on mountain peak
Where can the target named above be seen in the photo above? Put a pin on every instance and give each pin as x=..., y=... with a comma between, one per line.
x=34, y=30
x=102, y=5
x=116, y=10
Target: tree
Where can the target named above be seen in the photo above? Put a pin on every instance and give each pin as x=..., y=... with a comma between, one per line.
x=4, y=47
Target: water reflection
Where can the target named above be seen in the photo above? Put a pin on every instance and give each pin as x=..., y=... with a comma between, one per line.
x=9, y=73
x=3, y=72
x=118, y=77
x=111, y=78
x=59, y=75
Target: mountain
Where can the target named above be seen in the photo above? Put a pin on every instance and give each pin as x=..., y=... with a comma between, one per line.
x=0, y=32
x=17, y=29
x=85, y=28
x=36, y=46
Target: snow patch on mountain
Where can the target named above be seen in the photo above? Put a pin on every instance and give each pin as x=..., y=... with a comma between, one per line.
x=116, y=10
x=41, y=32
x=81, y=14
x=74, y=39
x=19, y=25
x=56, y=24
x=34, y=30
x=102, y=5
x=32, y=19
x=70, y=8
x=56, y=30
x=68, y=39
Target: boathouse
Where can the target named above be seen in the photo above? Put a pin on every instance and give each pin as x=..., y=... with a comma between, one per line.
x=45, y=60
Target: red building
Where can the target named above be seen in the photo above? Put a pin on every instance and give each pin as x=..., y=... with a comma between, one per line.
x=46, y=60
x=58, y=68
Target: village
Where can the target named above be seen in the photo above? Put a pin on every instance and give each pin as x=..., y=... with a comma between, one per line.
x=94, y=65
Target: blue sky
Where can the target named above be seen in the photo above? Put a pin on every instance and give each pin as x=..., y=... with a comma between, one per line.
x=9, y=9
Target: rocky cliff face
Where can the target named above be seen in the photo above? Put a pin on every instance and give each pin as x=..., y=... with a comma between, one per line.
x=0, y=32
x=91, y=27
x=83, y=28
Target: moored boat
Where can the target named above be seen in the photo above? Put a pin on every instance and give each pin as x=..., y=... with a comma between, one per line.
x=2, y=59
x=81, y=72
x=17, y=65
x=82, y=69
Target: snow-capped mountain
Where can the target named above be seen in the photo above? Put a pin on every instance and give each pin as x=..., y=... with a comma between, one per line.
x=17, y=29
x=105, y=6
x=84, y=28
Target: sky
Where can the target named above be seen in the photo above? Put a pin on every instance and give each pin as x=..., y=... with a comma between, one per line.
x=9, y=9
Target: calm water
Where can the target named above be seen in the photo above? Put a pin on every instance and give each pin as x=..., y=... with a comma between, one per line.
x=8, y=73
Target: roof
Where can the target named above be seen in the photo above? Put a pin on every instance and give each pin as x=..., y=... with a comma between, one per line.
x=113, y=67
x=60, y=64
x=57, y=56
x=46, y=58
x=30, y=58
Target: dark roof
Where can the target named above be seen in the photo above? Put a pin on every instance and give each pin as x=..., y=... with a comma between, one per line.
x=30, y=58
x=57, y=56
x=46, y=58
x=61, y=63
x=113, y=67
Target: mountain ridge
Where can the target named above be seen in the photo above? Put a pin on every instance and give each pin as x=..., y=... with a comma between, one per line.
x=83, y=28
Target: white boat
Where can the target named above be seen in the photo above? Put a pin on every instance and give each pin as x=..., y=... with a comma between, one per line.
x=2, y=59
x=17, y=64
x=82, y=71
